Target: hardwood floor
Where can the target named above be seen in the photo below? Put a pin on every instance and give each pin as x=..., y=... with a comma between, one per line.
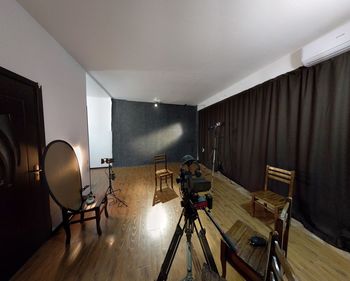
x=134, y=239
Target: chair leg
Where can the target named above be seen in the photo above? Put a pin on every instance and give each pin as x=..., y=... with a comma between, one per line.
x=66, y=226
x=82, y=217
x=155, y=189
x=155, y=178
x=172, y=181
x=252, y=206
x=161, y=180
x=276, y=215
x=98, y=218
x=106, y=211
x=223, y=259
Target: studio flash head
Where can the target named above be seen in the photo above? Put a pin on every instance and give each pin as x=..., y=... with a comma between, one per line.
x=107, y=160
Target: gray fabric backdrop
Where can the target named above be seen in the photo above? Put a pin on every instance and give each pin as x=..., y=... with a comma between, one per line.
x=141, y=131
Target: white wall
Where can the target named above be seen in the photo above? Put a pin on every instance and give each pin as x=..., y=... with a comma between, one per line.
x=27, y=49
x=281, y=66
x=99, y=106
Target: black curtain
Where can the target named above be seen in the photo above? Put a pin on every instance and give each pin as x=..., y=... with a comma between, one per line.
x=297, y=121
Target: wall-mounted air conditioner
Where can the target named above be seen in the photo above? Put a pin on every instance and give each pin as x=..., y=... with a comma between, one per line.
x=330, y=45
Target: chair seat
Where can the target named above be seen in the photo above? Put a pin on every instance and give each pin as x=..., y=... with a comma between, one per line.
x=270, y=199
x=254, y=257
x=99, y=200
x=163, y=172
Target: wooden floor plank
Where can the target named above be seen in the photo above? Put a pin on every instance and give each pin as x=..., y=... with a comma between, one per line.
x=135, y=239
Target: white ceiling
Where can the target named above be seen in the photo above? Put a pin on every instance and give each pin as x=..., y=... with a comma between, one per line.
x=181, y=51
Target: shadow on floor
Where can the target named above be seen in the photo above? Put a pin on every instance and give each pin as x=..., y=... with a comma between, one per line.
x=260, y=213
x=167, y=194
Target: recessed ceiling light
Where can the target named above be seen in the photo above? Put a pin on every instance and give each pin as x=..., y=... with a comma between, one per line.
x=156, y=101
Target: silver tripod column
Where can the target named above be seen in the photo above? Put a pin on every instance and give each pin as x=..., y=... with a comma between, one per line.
x=189, y=231
x=215, y=147
x=214, y=159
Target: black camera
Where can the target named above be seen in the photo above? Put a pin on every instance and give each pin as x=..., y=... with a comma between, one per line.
x=107, y=160
x=191, y=183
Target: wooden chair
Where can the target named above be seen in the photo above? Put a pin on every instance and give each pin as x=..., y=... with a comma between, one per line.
x=62, y=177
x=251, y=262
x=278, y=268
x=270, y=200
x=161, y=170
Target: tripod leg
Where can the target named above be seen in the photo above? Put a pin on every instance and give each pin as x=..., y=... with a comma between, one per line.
x=205, y=247
x=105, y=206
x=169, y=257
x=111, y=192
x=121, y=202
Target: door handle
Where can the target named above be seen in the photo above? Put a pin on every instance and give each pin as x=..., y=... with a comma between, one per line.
x=36, y=172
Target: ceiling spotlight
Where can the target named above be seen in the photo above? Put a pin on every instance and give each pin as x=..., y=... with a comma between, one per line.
x=156, y=102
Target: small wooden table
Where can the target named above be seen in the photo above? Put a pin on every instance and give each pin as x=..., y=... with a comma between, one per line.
x=249, y=261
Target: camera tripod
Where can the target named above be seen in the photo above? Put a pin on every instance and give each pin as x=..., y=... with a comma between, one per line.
x=110, y=190
x=190, y=215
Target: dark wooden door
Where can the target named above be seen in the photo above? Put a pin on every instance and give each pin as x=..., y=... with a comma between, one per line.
x=24, y=202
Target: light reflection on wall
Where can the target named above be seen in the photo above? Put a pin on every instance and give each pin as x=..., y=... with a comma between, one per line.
x=162, y=139
x=79, y=154
x=157, y=221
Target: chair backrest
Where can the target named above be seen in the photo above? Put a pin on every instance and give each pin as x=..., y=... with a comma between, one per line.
x=160, y=160
x=278, y=267
x=282, y=224
x=62, y=175
x=280, y=175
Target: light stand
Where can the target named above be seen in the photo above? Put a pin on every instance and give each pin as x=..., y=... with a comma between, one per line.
x=214, y=158
x=111, y=177
x=215, y=144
